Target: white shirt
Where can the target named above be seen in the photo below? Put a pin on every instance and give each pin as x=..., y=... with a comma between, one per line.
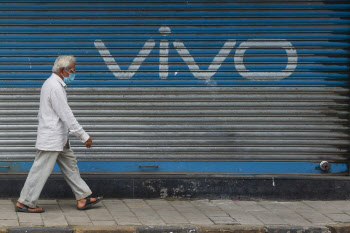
x=55, y=117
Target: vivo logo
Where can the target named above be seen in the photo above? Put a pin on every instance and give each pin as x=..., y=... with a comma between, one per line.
x=191, y=63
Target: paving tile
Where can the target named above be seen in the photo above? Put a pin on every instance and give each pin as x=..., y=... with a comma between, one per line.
x=123, y=214
x=316, y=218
x=226, y=204
x=190, y=210
x=160, y=205
x=144, y=212
x=323, y=207
x=223, y=202
x=343, y=206
x=172, y=217
x=267, y=217
x=309, y=213
x=213, y=212
x=339, y=217
x=67, y=206
x=72, y=220
x=237, y=212
x=273, y=205
x=50, y=221
x=292, y=217
x=30, y=219
x=180, y=203
x=31, y=224
x=6, y=202
x=69, y=209
x=197, y=218
x=209, y=209
x=127, y=220
x=119, y=209
x=286, y=214
x=53, y=216
x=8, y=223
x=112, y=200
x=104, y=223
x=115, y=206
x=52, y=209
x=298, y=206
x=8, y=214
x=99, y=214
x=136, y=203
x=184, y=206
x=191, y=213
x=250, y=205
x=223, y=220
x=151, y=220
x=25, y=217
x=157, y=202
x=7, y=207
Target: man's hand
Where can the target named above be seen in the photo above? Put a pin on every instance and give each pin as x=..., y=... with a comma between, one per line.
x=88, y=143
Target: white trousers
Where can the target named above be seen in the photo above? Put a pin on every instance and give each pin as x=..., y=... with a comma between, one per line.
x=41, y=170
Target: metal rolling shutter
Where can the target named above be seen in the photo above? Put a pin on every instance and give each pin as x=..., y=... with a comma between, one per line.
x=183, y=80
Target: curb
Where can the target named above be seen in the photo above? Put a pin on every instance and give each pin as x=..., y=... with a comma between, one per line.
x=162, y=229
x=172, y=229
x=340, y=228
x=232, y=229
x=297, y=229
x=39, y=230
x=103, y=229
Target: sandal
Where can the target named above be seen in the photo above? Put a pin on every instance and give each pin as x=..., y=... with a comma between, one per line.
x=88, y=203
x=25, y=209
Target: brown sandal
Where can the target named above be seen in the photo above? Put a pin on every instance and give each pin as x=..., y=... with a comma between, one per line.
x=25, y=209
x=88, y=203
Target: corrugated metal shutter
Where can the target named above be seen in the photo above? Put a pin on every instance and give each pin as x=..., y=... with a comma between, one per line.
x=183, y=80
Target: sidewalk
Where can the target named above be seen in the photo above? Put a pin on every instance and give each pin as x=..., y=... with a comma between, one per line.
x=178, y=215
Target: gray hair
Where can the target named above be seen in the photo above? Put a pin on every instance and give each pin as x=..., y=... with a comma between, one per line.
x=63, y=61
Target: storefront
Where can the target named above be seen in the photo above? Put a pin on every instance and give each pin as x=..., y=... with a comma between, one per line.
x=243, y=87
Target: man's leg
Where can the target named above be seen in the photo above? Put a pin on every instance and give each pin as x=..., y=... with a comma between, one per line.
x=37, y=177
x=68, y=165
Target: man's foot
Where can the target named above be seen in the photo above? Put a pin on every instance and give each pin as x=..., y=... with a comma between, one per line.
x=23, y=208
x=85, y=203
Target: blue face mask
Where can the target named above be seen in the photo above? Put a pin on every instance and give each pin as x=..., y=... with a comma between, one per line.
x=69, y=79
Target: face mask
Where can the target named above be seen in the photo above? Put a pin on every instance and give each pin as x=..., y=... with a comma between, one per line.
x=69, y=79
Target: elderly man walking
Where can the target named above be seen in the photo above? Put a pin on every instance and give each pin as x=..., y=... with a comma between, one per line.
x=55, y=121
